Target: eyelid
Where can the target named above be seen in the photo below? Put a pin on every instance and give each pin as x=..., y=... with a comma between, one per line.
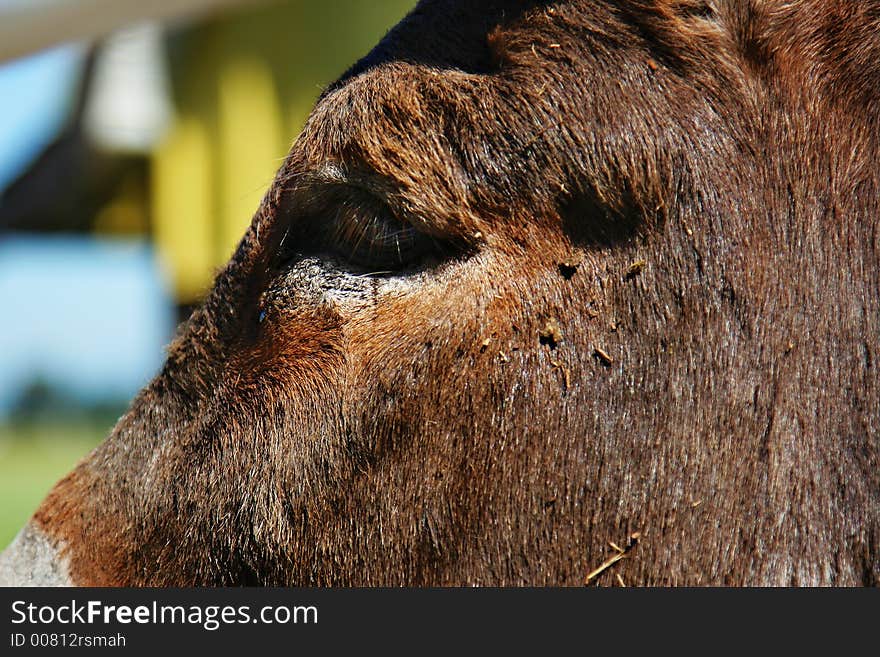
x=353, y=217
x=368, y=233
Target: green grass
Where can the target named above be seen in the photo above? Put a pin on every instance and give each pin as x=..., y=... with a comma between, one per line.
x=33, y=456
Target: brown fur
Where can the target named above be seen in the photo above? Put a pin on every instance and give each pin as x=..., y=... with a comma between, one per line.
x=426, y=433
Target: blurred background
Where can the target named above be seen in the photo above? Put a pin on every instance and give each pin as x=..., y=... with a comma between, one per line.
x=136, y=141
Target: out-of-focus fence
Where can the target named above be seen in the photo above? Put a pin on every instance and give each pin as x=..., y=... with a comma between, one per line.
x=28, y=26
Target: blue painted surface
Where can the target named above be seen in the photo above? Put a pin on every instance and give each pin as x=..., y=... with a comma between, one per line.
x=36, y=98
x=90, y=318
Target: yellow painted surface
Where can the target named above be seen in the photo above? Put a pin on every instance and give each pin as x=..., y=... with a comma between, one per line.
x=249, y=144
x=182, y=208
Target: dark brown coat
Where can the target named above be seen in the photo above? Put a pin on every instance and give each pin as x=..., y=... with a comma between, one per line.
x=641, y=297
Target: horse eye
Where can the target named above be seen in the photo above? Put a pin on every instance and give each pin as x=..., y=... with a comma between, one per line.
x=370, y=236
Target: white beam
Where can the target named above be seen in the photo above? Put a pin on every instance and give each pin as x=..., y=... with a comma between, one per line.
x=34, y=26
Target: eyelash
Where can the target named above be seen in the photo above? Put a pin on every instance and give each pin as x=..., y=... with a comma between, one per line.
x=367, y=234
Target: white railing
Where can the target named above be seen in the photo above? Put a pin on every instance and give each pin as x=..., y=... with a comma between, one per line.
x=27, y=27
